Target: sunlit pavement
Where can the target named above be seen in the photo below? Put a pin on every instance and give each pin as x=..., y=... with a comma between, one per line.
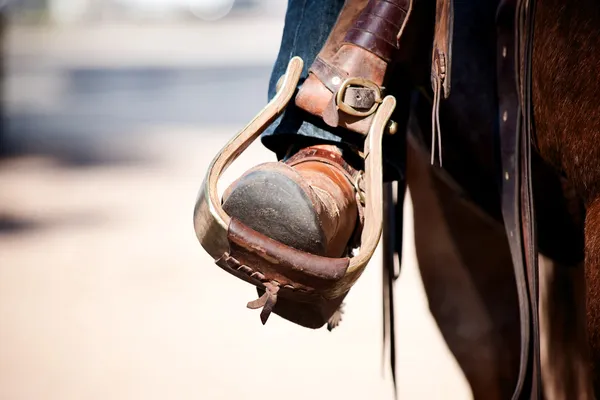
x=105, y=292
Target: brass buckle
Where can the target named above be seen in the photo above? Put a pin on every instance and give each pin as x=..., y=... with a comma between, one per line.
x=362, y=82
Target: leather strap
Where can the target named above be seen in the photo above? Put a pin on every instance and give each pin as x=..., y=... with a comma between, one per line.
x=259, y=259
x=267, y=301
x=379, y=27
x=361, y=98
x=441, y=68
x=525, y=24
x=514, y=24
x=354, y=76
x=329, y=157
x=441, y=57
x=354, y=176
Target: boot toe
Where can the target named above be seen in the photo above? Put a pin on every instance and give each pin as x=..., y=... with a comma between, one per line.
x=270, y=201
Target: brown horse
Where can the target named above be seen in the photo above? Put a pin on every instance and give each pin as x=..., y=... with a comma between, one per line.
x=461, y=245
x=565, y=89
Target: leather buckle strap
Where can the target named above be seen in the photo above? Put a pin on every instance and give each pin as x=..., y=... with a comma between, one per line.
x=371, y=42
x=355, y=96
x=360, y=99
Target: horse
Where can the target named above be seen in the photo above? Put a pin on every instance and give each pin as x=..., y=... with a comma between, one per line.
x=461, y=246
x=464, y=244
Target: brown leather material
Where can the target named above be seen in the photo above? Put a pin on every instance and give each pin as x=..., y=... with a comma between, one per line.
x=298, y=304
x=354, y=176
x=361, y=98
x=372, y=43
x=441, y=65
x=335, y=183
x=321, y=189
x=294, y=283
x=333, y=158
x=393, y=11
x=267, y=301
x=291, y=213
x=377, y=28
x=272, y=261
x=315, y=98
x=348, y=14
x=332, y=77
x=369, y=45
x=333, y=117
x=339, y=202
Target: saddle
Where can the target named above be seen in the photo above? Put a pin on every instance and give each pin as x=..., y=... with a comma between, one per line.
x=346, y=87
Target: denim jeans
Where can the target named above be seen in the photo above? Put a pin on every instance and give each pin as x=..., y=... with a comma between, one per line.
x=307, y=27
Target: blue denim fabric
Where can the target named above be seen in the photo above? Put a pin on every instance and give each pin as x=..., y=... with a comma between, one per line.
x=307, y=27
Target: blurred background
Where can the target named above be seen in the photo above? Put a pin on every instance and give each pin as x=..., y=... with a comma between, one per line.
x=111, y=112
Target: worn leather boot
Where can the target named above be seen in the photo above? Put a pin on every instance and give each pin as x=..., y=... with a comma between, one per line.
x=307, y=202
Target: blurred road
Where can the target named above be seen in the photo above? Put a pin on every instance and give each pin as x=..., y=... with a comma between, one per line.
x=104, y=290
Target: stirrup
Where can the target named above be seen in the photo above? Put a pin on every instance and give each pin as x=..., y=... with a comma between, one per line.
x=277, y=270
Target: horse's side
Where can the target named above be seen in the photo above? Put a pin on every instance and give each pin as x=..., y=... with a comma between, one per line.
x=457, y=242
x=566, y=61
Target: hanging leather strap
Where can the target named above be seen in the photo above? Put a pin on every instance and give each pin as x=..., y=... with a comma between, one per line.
x=524, y=34
x=515, y=38
x=441, y=68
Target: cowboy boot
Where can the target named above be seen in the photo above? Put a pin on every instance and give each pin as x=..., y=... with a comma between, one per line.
x=292, y=222
x=308, y=202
